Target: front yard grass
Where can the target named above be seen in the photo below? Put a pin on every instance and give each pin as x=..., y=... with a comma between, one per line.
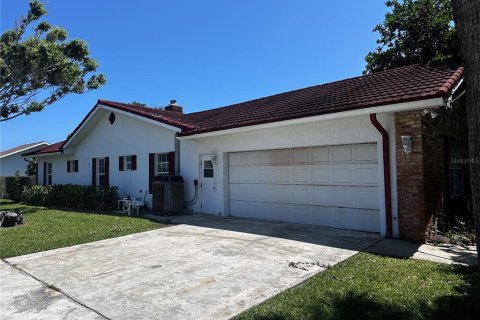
x=368, y=286
x=46, y=228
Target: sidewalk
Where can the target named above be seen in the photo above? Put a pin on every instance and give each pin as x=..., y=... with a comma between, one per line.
x=444, y=254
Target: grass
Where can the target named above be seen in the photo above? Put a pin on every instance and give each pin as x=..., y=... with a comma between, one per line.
x=368, y=286
x=46, y=228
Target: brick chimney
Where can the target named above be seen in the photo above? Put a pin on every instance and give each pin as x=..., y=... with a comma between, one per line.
x=173, y=106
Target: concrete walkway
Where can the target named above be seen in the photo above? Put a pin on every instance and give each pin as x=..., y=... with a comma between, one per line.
x=204, y=268
x=441, y=254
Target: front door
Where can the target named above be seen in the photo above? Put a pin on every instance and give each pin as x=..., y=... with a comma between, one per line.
x=207, y=184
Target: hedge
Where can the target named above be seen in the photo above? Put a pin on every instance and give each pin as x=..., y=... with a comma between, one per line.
x=15, y=185
x=72, y=196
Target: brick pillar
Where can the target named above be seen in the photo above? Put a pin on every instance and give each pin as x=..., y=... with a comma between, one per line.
x=413, y=219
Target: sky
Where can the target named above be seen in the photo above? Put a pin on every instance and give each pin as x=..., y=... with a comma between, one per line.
x=204, y=54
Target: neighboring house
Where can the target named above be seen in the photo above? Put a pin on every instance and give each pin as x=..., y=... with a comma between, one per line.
x=12, y=161
x=330, y=155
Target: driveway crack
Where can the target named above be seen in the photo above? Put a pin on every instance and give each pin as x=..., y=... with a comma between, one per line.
x=54, y=288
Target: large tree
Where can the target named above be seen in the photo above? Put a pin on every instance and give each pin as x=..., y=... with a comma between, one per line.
x=415, y=31
x=38, y=66
x=467, y=22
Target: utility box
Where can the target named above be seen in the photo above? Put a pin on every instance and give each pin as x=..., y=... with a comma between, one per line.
x=168, y=194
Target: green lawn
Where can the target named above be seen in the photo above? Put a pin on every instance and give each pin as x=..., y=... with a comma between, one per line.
x=368, y=286
x=45, y=229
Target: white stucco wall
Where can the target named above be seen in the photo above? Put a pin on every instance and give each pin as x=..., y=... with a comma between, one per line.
x=127, y=136
x=329, y=132
x=11, y=164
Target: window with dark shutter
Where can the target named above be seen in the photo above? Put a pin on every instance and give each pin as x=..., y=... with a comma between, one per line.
x=94, y=171
x=134, y=162
x=120, y=163
x=68, y=166
x=76, y=165
x=151, y=171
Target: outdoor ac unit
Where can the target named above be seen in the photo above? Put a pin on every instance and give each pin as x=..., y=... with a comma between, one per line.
x=168, y=194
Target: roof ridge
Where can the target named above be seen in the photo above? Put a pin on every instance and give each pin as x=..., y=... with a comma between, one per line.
x=314, y=86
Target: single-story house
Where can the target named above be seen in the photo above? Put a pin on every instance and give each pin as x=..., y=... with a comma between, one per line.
x=12, y=162
x=366, y=153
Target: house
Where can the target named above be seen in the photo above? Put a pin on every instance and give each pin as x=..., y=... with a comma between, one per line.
x=366, y=153
x=12, y=162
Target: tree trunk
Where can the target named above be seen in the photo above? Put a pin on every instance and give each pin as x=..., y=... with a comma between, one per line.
x=467, y=23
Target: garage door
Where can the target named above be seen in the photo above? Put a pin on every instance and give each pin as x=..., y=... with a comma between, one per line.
x=334, y=186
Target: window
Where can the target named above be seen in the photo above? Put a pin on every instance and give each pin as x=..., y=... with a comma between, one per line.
x=49, y=173
x=207, y=169
x=128, y=162
x=161, y=166
x=72, y=166
x=101, y=172
x=457, y=167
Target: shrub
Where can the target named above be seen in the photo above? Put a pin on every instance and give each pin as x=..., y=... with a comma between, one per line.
x=14, y=187
x=72, y=196
x=36, y=195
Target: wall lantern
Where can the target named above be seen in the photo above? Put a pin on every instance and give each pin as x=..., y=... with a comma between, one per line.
x=407, y=144
x=213, y=158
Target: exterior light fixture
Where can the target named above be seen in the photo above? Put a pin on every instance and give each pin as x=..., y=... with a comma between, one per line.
x=407, y=144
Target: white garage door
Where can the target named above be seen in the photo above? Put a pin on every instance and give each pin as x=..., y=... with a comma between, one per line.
x=335, y=186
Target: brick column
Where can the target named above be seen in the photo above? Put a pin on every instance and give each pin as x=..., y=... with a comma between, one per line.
x=413, y=220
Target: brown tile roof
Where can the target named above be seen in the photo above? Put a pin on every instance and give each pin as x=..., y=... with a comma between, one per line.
x=20, y=148
x=53, y=148
x=415, y=82
x=404, y=84
x=172, y=118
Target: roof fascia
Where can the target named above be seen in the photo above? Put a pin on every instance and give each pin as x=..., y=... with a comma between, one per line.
x=155, y=122
x=397, y=107
x=25, y=149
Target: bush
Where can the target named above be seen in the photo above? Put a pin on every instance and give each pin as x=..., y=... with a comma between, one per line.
x=72, y=196
x=14, y=187
x=36, y=195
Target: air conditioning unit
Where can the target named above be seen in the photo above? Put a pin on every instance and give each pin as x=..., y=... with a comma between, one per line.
x=168, y=194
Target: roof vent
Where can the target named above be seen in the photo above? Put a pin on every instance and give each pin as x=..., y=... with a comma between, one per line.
x=173, y=106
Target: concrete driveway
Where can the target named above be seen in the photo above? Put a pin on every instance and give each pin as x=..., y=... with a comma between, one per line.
x=203, y=268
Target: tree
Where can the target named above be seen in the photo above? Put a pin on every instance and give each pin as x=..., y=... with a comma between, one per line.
x=415, y=31
x=31, y=167
x=467, y=21
x=43, y=67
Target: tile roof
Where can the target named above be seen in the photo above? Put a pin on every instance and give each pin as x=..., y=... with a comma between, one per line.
x=404, y=84
x=172, y=118
x=21, y=148
x=410, y=83
x=53, y=148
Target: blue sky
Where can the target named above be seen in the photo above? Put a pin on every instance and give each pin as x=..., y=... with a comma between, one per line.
x=204, y=54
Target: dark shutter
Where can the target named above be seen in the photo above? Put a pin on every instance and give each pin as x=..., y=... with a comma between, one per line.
x=171, y=163
x=120, y=163
x=76, y=165
x=107, y=172
x=36, y=173
x=151, y=171
x=134, y=162
x=94, y=171
x=68, y=166
x=44, y=173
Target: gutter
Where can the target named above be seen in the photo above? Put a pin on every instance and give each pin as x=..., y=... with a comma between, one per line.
x=386, y=172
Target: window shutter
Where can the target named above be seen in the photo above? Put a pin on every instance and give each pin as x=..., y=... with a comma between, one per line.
x=44, y=173
x=68, y=166
x=76, y=165
x=107, y=172
x=151, y=171
x=120, y=163
x=94, y=171
x=36, y=173
x=134, y=162
x=171, y=163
